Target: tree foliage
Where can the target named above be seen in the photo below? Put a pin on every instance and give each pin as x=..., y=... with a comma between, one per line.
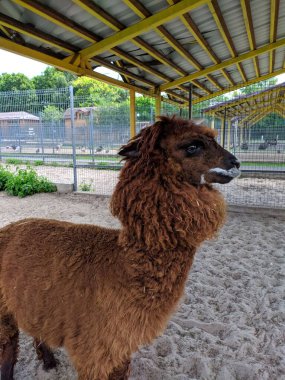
x=259, y=86
x=90, y=92
x=53, y=78
x=15, y=82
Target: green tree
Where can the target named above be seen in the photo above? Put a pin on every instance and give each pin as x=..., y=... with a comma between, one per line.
x=52, y=78
x=52, y=113
x=90, y=92
x=145, y=106
x=259, y=86
x=15, y=82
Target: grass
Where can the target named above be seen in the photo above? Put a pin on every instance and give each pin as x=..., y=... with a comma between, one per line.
x=264, y=164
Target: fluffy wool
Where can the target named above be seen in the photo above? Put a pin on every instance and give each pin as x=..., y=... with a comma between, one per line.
x=102, y=293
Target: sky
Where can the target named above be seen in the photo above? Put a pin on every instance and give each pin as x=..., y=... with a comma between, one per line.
x=12, y=63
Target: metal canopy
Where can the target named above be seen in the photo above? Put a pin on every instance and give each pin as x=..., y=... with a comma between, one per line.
x=155, y=45
x=249, y=109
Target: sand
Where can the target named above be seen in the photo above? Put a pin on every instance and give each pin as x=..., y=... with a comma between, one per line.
x=230, y=323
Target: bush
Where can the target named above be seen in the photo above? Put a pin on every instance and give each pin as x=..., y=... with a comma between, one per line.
x=26, y=182
x=85, y=186
x=38, y=162
x=4, y=177
x=15, y=161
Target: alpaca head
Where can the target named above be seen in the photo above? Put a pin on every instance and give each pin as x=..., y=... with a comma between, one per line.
x=189, y=149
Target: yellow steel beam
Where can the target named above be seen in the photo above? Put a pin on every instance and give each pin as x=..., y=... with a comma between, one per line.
x=223, y=29
x=193, y=29
x=251, y=116
x=114, y=24
x=240, y=101
x=142, y=12
x=139, y=9
x=63, y=65
x=260, y=116
x=143, y=26
x=98, y=13
x=43, y=11
x=274, y=10
x=229, y=62
x=280, y=112
x=32, y=32
x=246, y=10
x=157, y=55
x=241, y=85
x=132, y=113
x=57, y=19
x=5, y=31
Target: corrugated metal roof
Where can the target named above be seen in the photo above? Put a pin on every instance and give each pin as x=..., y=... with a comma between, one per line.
x=187, y=39
x=274, y=93
x=21, y=115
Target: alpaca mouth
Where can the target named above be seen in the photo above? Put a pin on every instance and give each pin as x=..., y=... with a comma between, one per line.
x=225, y=176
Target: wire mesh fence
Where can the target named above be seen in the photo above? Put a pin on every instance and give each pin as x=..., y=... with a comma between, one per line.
x=69, y=140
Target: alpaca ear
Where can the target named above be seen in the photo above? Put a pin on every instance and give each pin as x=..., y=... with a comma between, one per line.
x=130, y=150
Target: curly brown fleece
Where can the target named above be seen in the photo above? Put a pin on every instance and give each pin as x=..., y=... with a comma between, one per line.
x=102, y=293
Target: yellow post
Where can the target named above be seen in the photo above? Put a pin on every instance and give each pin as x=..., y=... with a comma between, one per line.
x=229, y=135
x=132, y=113
x=157, y=105
x=222, y=131
x=213, y=122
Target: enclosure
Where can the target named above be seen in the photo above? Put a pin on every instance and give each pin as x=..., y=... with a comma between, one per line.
x=69, y=140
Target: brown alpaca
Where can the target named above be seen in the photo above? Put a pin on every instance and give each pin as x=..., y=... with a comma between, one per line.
x=103, y=293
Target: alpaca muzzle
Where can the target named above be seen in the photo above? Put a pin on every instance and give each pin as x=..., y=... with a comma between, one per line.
x=224, y=175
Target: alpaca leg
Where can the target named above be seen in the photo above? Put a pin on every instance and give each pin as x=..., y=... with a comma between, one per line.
x=44, y=353
x=122, y=372
x=9, y=337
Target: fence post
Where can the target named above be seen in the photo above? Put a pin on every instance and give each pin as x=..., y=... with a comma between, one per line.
x=0, y=143
x=73, y=138
x=42, y=138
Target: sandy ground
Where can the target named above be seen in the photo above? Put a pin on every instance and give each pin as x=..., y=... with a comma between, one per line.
x=230, y=323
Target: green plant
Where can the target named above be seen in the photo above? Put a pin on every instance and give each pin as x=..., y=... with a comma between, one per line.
x=38, y=162
x=15, y=161
x=85, y=186
x=27, y=182
x=4, y=177
x=54, y=163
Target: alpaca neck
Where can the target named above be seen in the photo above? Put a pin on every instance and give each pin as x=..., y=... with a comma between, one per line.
x=160, y=211
x=164, y=220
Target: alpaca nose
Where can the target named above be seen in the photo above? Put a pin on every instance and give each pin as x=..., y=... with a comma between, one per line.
x=234, y=161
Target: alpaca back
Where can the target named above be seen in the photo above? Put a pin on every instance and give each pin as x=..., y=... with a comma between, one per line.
x=51, y=267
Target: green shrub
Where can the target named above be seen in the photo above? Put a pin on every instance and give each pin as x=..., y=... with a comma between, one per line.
x=38, y=162
x=26, y=182
x=85, y=186
x=4, y=177
x=15, y=161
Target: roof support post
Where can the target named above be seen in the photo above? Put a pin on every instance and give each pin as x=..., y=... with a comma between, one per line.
x=223, y=131
x=190, y=101
x=229, y=135
x=132, y=113
x=157, y=104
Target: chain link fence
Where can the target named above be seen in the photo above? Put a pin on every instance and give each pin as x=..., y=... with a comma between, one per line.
x=70, y=141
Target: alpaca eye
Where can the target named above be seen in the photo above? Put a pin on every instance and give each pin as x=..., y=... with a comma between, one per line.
x=192, y=148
